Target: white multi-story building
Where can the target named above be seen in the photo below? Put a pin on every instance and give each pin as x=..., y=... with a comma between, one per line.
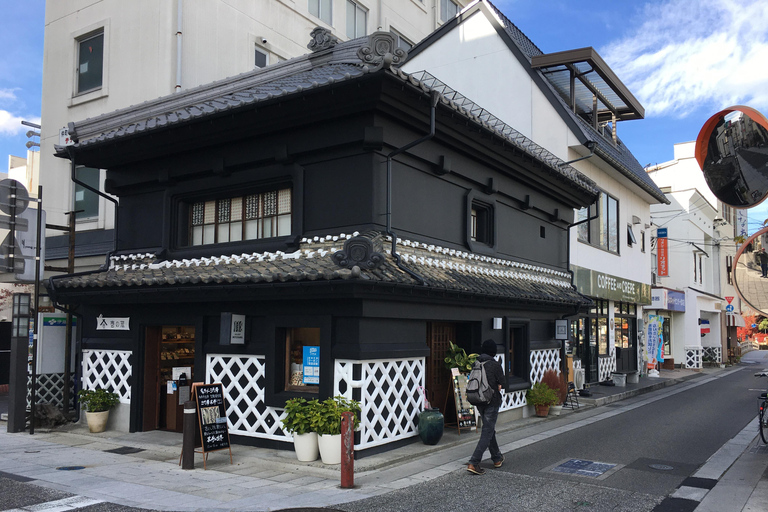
x=692, y=299
x=104, y=55
x=569, y=103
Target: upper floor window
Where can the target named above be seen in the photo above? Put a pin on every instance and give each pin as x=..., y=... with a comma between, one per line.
x=357, y=20
x=401, y=41
x=87, y=201
x=448, y=9
x=261, y=58
x=321, y=9
x=481, y=223
x=90, y=62
x=603, y=230
x=233, y=219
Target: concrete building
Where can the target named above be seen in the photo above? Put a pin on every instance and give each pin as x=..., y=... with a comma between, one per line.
x=700, y=232
x=104, y=55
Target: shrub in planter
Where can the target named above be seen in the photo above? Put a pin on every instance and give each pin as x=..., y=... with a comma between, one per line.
x=97, y=403
x=301, y=417
x=557, y=382
x=456, y=357
x=541, y=397
x=329, y=426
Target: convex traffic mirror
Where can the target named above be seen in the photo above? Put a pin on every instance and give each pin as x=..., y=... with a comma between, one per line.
x=732, y=150
x=747, y=272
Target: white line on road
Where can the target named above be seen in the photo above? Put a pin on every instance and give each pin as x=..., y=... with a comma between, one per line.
x=62, y=505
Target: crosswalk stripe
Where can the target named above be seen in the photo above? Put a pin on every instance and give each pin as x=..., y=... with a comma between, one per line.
x=62, y=505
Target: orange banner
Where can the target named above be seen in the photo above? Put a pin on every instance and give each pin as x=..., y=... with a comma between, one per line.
x=662, y=263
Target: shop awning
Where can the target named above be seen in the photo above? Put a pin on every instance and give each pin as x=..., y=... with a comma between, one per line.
x=735, y=321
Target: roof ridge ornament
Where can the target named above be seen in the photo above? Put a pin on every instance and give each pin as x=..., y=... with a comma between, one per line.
x=363, y=251
x=381, y=50
x=322, y=39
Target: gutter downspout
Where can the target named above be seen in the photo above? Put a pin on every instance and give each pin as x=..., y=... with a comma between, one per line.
x=179, y=12
x=434, y=97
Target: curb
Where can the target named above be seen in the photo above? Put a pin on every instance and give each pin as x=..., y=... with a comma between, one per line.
x=598, y=402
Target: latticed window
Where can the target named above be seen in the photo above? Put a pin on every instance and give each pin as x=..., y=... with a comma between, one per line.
x=233, y=219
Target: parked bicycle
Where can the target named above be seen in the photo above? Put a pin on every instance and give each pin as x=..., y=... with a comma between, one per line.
x=762, y=414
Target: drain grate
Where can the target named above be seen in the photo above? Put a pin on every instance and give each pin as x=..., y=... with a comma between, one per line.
x=125, y=450
x=581, y=467
x=70, y=468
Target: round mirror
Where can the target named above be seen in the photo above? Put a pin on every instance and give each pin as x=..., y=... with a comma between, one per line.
x=750, y=270
x=732, y=150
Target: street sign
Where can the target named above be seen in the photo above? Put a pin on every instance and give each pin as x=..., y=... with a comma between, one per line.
x=729, y=308
x=729, y=299
x=18, y=230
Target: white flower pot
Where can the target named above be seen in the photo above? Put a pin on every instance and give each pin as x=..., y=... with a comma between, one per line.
x=330, y=448
x=97, y=421
x=306, y=446
x=555, y=410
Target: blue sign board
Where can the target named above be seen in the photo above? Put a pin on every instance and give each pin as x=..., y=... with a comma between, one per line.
x=675, y=301
x=729, y=308
x=311, y=365
x=661, y=233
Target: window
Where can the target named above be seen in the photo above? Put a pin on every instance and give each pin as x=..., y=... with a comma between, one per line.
x=357, y=18
x=729, y=268
x=233, y=219
x=21, y=314
x=481, y=223
x=517, y=364
x=642, y=241
x=90, y=62
x=603, y=230
x=401, y=41
x=302, y=364
x=87, y=201
x=321, y=9
x=262, y=58
x=698, y=268
x=448, y=9
x=631, y=240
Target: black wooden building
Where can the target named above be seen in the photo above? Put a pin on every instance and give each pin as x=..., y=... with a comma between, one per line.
x=330, y=204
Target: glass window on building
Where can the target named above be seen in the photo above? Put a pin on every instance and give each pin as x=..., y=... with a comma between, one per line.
x=357, y=19
x=90, y=62
x=448, y=9
x=321, y=9
x=87, y=201
x=603, y=229
x=302, y=363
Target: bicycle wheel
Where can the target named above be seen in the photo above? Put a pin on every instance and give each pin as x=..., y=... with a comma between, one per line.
x=763, y=417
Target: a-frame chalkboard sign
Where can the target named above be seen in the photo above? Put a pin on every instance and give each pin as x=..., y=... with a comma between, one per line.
x=457, y=396
x=211, y=419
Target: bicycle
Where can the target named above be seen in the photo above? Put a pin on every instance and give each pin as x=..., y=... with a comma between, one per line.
x=762, y=413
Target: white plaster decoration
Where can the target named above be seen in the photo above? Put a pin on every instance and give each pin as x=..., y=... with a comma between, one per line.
x=243, y=378
x=50, y=390
x=606, y=366
x=715, y=353
x=693, y=356
x=543, y=360
x=108, y=369
x=389, y=395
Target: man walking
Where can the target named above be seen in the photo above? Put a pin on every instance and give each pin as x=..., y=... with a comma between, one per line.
x=763, y=258
x=489, y=413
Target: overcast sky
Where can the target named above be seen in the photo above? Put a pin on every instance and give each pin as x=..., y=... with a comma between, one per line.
x=683, y=59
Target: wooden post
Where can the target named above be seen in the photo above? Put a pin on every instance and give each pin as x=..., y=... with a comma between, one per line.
x=347, y=450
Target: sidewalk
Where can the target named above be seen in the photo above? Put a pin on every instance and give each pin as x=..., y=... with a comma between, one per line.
x=141, y=469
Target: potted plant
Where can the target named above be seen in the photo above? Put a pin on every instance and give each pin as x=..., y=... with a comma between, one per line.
x=541, y=397
x=456, y=357
x=556, y=382
x=301, y=416
x=329, y=426
x=97, y=403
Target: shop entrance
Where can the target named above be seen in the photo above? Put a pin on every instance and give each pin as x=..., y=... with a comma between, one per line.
x=169, y=364
x=626, y=337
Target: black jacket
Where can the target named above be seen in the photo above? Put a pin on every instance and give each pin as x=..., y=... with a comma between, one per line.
x=495, y=375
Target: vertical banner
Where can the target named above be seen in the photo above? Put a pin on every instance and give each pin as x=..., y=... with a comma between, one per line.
x=662, y=261
x=652, y=341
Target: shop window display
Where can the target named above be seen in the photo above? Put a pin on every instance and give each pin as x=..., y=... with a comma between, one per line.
x=303, y=361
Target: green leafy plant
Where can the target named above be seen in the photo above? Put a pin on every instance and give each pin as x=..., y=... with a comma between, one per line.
x=456, y=357
x=541, y=394
x=329, y=414
x=301, y=415
x=557, y=383
x=97, y=400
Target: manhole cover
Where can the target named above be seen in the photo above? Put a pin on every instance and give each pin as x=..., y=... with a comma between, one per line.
x=125, y=450
x=581, y=467
x=70, y=468
x=661, y=467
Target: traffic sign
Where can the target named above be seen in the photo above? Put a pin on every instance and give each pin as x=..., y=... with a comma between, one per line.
x=729, y=308
x=20, y=239
x=729, y=299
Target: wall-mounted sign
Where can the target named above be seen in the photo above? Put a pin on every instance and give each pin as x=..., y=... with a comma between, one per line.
x=105, y=323
x=662, y=253
x=232, y=330
x=311, y=365
x=605, y=286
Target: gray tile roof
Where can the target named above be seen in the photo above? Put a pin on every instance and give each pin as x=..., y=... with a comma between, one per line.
x=442, y=269
x=343, y=62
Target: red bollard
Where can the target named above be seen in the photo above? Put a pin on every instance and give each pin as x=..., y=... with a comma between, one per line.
x=347, y=450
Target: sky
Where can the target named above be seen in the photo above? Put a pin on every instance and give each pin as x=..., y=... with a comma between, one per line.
x=684, y=60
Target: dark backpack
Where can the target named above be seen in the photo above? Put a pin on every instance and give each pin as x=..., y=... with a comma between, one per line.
x=479, y=392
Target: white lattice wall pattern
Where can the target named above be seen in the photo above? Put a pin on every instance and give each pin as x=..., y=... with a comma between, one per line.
x=543, y=360
x=509, y=400
x=50, y=390
x=243, y=378
x=693, y=357
x=389, y=395
x=714, y=353
x=108, y=369
x=606, y=366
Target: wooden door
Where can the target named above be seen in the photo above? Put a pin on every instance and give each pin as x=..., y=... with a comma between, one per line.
x=151, y=403
x=438, y=379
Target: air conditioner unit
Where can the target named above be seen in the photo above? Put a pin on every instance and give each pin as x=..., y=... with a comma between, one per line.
x=578, y=378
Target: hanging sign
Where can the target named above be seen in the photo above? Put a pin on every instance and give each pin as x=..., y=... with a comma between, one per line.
x=662, y=258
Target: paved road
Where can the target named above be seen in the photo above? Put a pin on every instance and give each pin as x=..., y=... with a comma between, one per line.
x=676, y=431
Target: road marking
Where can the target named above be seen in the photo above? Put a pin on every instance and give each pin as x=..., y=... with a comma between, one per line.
x=63, y=505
